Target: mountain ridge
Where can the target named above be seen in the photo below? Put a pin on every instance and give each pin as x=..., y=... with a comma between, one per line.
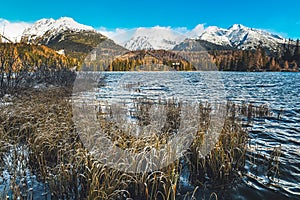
x=65, y=35
x=79, y=41
x=237, y=36
x=51, y=27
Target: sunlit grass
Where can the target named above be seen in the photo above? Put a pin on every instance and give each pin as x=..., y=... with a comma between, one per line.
x=38, y=137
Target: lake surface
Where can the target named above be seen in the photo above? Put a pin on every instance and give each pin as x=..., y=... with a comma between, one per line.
x=279, y=91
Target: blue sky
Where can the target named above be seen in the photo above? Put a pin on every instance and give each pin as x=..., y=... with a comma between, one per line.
x=280, y=17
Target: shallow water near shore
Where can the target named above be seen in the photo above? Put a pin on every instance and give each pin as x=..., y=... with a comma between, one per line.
x=279, y=91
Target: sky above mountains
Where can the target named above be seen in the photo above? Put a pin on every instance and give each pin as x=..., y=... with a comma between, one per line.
x=115, y=15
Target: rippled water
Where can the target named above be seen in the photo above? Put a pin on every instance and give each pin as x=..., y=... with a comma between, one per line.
x=280, y=91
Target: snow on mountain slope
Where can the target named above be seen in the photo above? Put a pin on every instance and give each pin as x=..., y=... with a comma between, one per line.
x=241, y=37
x=215, y=35
x=51, y=27
x=138, y=43
x=154, y=38
x=248, y=38
x=236, y=36
x=12, y=30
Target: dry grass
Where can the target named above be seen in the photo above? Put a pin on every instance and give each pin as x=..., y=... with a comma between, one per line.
x=38, y=136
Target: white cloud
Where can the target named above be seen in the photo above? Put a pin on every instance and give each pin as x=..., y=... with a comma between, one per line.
x=182, y=30
x=121, y=35
x=196, y=31
x=13, y=30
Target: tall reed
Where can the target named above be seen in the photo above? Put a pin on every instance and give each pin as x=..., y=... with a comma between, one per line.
x=38, y=137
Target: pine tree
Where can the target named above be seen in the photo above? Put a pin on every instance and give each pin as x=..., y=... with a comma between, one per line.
x=296, y=56
x=287, y=55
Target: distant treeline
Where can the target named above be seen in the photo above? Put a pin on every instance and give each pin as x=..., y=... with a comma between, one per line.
x=286, y=59
x=151, y=60
x=21, y=57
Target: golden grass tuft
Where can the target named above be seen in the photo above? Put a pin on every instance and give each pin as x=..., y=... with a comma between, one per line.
x=38, y=135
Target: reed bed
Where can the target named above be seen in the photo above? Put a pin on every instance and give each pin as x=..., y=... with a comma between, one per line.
x=39, y=140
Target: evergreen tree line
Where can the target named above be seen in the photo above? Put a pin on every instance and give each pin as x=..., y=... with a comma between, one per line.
x=150, y=60
x=286, y=59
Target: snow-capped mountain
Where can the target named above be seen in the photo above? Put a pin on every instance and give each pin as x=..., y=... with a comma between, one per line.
x=241, y=37
x=68, y=37
x=200, y=45
x=236, y=37
x=48, y=28
x=154, y=38
x=45, y=31
x=215, y=35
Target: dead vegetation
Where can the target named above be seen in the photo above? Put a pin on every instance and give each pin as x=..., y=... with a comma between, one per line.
x=38, y=137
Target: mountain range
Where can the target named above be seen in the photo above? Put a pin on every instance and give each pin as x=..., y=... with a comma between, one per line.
x=235, y=37
x=52, y=32
x=237, y=48
x=66, y=36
